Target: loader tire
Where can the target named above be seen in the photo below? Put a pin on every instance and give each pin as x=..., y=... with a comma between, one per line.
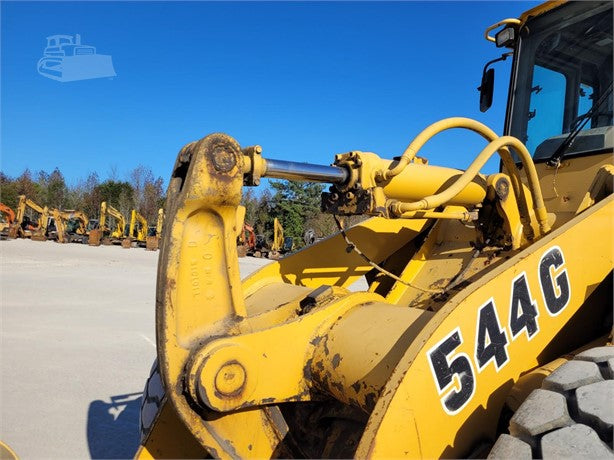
x=570, y=416
x=152, y=400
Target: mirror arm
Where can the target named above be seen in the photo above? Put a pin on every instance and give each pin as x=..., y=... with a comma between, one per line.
x=503, y=57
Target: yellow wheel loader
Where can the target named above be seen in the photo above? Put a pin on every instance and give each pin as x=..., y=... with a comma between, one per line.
x=485, y=329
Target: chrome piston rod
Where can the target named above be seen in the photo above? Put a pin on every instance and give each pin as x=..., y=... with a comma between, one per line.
x=291, y=170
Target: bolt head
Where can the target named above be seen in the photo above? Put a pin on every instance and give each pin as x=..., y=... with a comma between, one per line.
x=230, y=379
x=224, y=159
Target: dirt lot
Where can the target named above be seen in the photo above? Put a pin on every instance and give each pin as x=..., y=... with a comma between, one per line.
x=77, y=343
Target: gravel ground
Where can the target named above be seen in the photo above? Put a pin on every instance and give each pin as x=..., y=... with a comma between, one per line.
x=77, y=343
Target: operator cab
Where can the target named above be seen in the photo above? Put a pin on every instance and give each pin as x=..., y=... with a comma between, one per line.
x=562, y=83
x=560, y=100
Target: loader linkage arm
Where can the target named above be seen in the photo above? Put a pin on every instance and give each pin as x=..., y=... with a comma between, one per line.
x=221, y=342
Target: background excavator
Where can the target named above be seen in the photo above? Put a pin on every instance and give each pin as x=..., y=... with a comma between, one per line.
x=154, y=233
x=106, y=233
x=281, y=245
x=25, y=226
x=7, y=216
x=258, y=245
x=486, y=325
x=71, y=226
x=137, y=230
x=246, y=241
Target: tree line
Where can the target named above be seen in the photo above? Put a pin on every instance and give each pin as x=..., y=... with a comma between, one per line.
x=295, y=204
x=142, y=192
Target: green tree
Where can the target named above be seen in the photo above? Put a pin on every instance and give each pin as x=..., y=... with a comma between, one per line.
x=56, y=190
x=118, y=194
x=251, y=202
x=295, y=203
x=152, y=196
x=24, y=185
x=91, y=196
x=8, y=191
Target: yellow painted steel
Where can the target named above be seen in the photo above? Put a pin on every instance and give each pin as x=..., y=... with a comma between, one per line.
x=43, y=216
x=200, y=237
x=159, y=222
x=278, y=236
x=226, y=341
x=59, y=225
x=541, y=9
x=328, y=262
x=62, y=217
x=414, y=180
x=407, y=420
x=535, y=11
x=6, y=453
x=257, y=368
x=234, y=372
x=449, y=195
x=503, y=22
x=138, y=226
x=153, y=241
x=120, y=222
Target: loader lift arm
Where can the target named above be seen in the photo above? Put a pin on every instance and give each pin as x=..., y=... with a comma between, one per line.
x=472, y=282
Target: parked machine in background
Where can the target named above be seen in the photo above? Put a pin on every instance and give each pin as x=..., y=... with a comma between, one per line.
x=26, y=226
x=7, y=217
x=246, y=241
x=155, y=232
x=111, y=227
x=274, y=250
x=71, y=226
x=486, y=325
x=137, y=230
x=281, y=244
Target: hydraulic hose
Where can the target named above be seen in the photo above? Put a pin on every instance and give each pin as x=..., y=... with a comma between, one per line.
x=433, y=201
x=473, y=125
x=442, y=125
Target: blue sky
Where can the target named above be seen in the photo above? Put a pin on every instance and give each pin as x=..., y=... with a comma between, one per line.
x=304, y=80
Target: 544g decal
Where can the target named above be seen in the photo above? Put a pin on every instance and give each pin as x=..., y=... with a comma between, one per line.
x=494, y=334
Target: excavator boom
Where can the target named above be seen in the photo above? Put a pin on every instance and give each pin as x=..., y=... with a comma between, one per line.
x=24, y=227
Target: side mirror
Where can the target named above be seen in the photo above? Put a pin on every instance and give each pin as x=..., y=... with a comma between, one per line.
x=486, y=89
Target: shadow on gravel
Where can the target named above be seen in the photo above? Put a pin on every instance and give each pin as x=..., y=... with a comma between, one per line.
x=113, y=427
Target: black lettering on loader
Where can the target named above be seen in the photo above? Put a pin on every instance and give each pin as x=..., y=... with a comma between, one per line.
x=490, y=338
x=556, y=291
x=444, y=371
x=523, y=308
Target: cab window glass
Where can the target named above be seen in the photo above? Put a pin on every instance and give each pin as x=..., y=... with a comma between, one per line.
x=585, y=102
x=546, y=107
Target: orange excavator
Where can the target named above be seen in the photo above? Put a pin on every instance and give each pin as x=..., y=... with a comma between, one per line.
x=8, y=217
x=246, y=241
